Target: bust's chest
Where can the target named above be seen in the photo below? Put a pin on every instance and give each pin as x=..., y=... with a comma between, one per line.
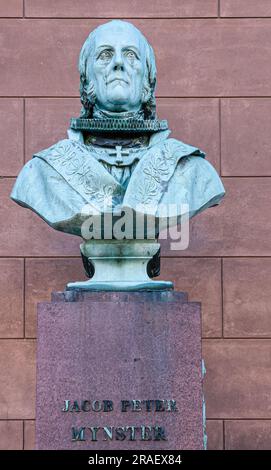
x=118, y=156
x=119, y=162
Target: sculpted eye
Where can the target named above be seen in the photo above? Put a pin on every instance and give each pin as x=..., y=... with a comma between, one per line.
x=105, y=55
x=130, y=55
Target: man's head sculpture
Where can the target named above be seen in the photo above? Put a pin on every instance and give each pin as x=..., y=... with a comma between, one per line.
x=118, y=179
x=117, y=72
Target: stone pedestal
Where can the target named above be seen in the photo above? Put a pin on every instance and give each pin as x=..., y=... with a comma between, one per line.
x=120, y=266
x=138, y=353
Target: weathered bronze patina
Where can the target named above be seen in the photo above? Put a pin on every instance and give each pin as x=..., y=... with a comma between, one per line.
x=118, y=158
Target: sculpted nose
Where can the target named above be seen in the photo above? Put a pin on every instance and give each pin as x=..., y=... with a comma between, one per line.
x=118, y=63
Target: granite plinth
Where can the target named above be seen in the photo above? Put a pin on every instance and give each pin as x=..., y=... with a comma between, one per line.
x=94, y=347
x=84, y=296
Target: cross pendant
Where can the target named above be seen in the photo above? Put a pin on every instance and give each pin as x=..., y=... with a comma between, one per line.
x=118, y=154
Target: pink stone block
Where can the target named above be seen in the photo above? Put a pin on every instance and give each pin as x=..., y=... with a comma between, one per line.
x=247, y=297
x=121, y=8
x=195, y=121
x=245, y=137
x=47, y=54
x=11, y=298
x=55, y=115
x=238, y=379
x=201, y=278
x=11, y=8
x=215, y=434
x=11, y=136
x=245, y=8
x=41, y=277
x=11, y=435
x=18, y=379
x=248, y=435
x=135, y=349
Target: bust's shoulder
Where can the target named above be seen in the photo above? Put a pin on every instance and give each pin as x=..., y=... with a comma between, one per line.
x=31, y=169
x=59, y=148
x=36, y=172
x=174, y=145
x=31, y=182
x=188, y=149
x=73, y=137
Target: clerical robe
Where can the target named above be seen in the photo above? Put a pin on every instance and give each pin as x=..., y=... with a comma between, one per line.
x=58, y=182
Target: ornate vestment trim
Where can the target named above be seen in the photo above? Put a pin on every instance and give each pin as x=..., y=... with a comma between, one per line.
x=75, y=163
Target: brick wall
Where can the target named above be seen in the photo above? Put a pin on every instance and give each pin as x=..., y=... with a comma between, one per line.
x=214, y=87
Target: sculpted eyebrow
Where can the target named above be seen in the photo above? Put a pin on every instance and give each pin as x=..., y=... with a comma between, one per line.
x=132, y=47
x=108, y=46
x=105, y=45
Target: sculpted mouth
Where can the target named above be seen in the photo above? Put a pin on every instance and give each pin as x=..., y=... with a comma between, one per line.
x=118, y=80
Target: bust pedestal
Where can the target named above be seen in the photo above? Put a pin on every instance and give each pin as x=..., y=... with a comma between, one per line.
x=120, y=266
x=125, y=367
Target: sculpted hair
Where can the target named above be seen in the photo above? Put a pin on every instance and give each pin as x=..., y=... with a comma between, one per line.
x=87, y=92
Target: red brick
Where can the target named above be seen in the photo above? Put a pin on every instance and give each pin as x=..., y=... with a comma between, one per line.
x=11, y=298
x=25, y=234
x=245, y=8
x=11, y=8
x=29, y=435
x=214, y=430
x=192, y=120
x=121, y=8
x=238, y=379
x=44, y=276
x=248, y=435
x=201, y=278
x=213, y=58
x=247, y=297
x=11, y=435
x=11, y=136
x=246, y=137
x=238, y=227
x=17, y=372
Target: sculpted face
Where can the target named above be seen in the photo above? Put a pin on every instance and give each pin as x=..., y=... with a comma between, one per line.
x=117, y=68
